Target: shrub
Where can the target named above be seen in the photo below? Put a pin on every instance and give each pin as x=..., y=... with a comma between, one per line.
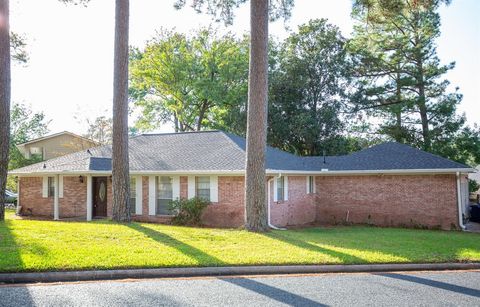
x=473, y=186
x=187, y=211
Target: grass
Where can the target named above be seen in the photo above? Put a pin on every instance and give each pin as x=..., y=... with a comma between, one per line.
x=33, y=245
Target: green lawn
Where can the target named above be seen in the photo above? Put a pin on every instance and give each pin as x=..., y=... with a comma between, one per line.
x=32, y=245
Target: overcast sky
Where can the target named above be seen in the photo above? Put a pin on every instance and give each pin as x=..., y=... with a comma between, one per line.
x=70, y=72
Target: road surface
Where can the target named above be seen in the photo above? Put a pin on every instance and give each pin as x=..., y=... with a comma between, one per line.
x=398, y=289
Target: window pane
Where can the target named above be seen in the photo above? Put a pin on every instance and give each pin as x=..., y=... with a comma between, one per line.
x=280, y=189
x=162, y=207
x=310, y=184
x=164, y=194
x=132, y=205
x=133, y=187
x=164, y=187
x=203, y=187
x=51, y=186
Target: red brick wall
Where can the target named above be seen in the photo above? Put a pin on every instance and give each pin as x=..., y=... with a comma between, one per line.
x=144, y=195
x=72, y=204
x=31, y=198
x=230, y=210
x=183, y=186
x=109, y=197
x=298, y=210
x=388, y=200
x=74, y=201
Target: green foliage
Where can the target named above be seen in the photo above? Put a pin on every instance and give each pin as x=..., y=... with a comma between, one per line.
x=400, y=77
x=25, y=126
x=100, y=129
x=187, y=211
x=308, y=90
x=473, y=186
x=18, y=48
x=222, y=10
x=188, y=81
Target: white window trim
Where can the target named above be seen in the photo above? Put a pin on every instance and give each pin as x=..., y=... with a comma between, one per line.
x=313, y=185
x=152, y=197
x=60, y=186
x=139, y=195
x=175, y=187
x=214, y=189
x=285, y=189
x=45, y=186
x=191, y=187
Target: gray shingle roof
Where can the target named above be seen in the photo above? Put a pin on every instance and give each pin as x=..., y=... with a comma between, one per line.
x=386, y=156
x=212, y=151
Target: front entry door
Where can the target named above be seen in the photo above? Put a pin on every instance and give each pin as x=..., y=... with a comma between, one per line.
x=99, y=196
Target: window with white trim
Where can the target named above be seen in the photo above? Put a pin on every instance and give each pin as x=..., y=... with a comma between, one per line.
x=203, y=187
x=51, y=186
x=280, y=188
x=164, y=195
x=133, y=194
x=311, y=184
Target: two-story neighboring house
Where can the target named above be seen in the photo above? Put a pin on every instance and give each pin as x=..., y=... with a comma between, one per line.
x=55, y=145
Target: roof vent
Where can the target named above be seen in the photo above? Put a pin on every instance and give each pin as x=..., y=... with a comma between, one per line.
x=44, y=165
x=324, y=158
x=88, y=151
x=324, y=169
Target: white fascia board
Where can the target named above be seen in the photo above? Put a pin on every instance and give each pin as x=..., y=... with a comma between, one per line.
x=109, y=173
x=269, y=172
x=374, y=172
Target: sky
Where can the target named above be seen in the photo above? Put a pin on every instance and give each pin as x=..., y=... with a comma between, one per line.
x=70, y=72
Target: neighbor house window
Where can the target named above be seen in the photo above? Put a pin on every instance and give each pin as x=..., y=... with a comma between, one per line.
x=133, y=194
x=164, y=195
x=51, y=186
x=280, y=188
x=311, y=184
x=203, y=187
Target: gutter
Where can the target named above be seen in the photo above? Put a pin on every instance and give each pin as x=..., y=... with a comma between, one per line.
x=242, y=172
x=375, y=172
x=269, y=204
x=459, y=204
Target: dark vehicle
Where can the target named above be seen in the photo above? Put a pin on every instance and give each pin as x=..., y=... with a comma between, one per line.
x=10, y=197
x=475, y=213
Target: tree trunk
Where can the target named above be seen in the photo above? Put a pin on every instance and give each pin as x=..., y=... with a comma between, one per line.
x=255, y=196
x=422, y=107
x=120, y=166
x=399, y=136
x=4, y=100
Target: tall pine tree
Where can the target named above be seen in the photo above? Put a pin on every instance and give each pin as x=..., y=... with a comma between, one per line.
x=402, y=76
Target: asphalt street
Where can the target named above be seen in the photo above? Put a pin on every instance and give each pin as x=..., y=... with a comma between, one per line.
x=393, y=289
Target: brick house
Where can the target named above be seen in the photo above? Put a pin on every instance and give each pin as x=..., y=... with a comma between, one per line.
x=387, y=185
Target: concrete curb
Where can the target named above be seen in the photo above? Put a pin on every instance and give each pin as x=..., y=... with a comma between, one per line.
x=225, y=271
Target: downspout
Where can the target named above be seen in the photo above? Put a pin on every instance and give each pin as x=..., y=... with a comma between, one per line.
x=459, y=204
x=268, y=206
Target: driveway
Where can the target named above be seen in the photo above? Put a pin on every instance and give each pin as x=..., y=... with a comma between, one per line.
x=399, y=289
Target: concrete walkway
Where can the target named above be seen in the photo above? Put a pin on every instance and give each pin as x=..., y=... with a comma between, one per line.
x=473, y=227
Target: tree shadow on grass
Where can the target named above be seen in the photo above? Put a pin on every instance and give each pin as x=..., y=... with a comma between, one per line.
x=343, y=257
x=11, y=249
x=11, y=261
x=202, y=257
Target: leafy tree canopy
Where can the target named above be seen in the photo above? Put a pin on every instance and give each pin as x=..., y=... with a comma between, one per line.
x=188, y=81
